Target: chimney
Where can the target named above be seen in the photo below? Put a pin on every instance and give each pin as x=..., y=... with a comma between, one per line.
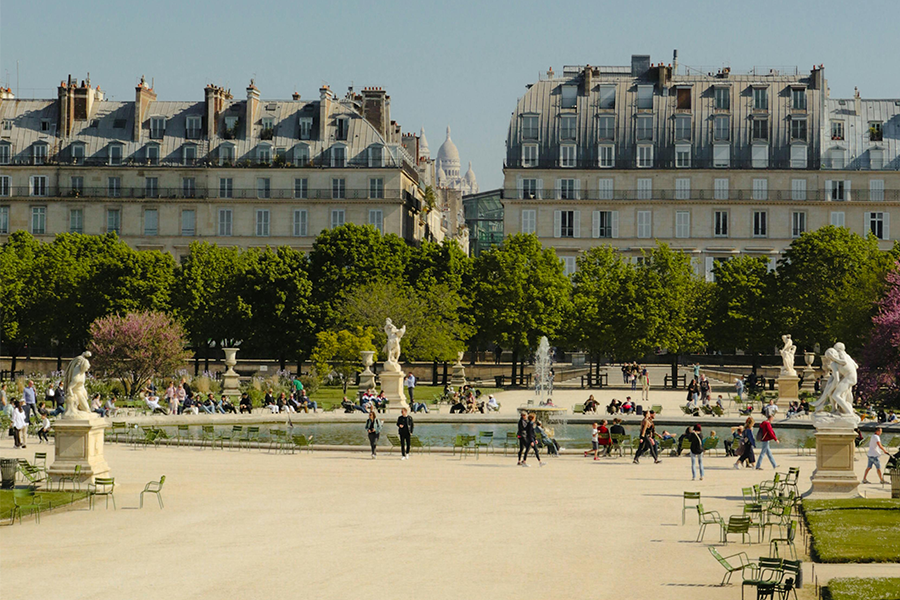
x=375, y=110
x=143, y=96
x=65, y=107
x=252, y=108
x=210, y=113
x=588, y=74
x=675, y=62
x=324, y=109
x=83, y=99
x=857, y=103
x=817, y=78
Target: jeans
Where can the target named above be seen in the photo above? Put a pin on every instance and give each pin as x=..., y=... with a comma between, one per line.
x=404, y=441
x=523, y=448
x=58, y=411
x=647, y=443
x=695, y=459
x=764, y=450
x=30, y=409
x=207, y=409
x=312, y=404
x=419, y=407
x=534, y=448
x=373, y=441
x=410, y=389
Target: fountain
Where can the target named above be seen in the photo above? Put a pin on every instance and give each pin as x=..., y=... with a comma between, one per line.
x=543, y=389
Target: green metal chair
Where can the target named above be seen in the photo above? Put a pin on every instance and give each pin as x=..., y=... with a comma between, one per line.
x=183, y=434
x=415, y=442
x=621, y=443
x=511, y=442
x=393, y=440
x=74, y=479
x=102, y=486
x=787, y=540
x=779, y=516
x=757, y=515
x=40, y=461
x=711, y=445
x=729, y=568
x=769, y=572
x=30, y=473
x=117, y=430
x=302, y=441
x=707, y=517
x=485, y=440
x=739, y=525
x=667, y=445
x=234, y=437
x=277, y=440
x=690, y=501
x=250, y=435
x=24, y=499
x=153, y=487
x=209, y=436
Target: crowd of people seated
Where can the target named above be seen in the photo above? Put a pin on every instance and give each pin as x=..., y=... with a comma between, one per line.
x=368, y=401
x=467, y=400
x=614, y=407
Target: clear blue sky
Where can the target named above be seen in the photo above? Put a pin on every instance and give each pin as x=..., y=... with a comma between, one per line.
x=462, y=64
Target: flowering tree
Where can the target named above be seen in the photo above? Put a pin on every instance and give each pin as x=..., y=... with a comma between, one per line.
x=137, y=346
x=880, y=372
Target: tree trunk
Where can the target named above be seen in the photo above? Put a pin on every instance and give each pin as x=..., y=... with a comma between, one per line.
x=515, y=357
x=755, y=362
x=59, y=357
x=674, y=371
x=282, y=361
x=444, y=378
x=12, y=364
x=196, y=364
x=206, y=358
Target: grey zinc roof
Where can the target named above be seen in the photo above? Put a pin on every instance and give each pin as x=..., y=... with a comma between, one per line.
x=856, y=142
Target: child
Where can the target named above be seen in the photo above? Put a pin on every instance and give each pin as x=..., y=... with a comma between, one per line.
x=44, y=430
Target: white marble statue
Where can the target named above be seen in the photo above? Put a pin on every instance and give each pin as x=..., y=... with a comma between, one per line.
x=787, y=356
x=77, y=406
x=838, y=392
x=392, y=347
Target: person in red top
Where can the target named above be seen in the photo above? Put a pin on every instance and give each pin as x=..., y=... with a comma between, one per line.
x=603, y=438
x=766, y=435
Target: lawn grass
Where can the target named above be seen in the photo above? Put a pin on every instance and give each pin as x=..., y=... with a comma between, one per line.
x=328, y=396
x=49, y=500
x=858, y=530
x=857, y=588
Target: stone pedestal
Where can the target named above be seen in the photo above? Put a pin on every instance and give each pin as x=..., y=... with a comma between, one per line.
x=788, y=390
x=458, y=376
x=79, y=441
x=809, y=378
x=231, y=381
x=392, y=386
x=834, y=476
x=367, y=377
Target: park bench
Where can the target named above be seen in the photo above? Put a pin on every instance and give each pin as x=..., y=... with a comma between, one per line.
x=594, y=381
x=679, y=381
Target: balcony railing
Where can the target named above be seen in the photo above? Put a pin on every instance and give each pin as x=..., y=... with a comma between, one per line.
x=664, y=163
x=178, y=161
x=201, y=193
x=711, y=195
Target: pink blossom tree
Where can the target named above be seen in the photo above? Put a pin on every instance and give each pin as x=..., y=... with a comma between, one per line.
x=879, y=374
x=137, y=346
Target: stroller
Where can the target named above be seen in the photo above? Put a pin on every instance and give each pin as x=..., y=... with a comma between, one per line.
x=893, y=462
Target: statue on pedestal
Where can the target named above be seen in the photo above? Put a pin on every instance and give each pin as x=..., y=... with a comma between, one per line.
x=77, y=405
x=787, y=356
x=838, y=392
x=392, y=347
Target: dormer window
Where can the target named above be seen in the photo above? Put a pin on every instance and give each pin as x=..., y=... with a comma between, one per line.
x=7, y=126
x=376, y=156
x=231, y=125
x=193, y=128
x=189, y=155
x=567, y=127
x=569, y=96
x=837, y=130
x=226, y=155
x=760, y=98
x=115, y=154
x=5, y=153
x=306, y=128
x=301, y=155
x=152, y=153
x=798, y=98
x=157, y=128
x=683, y=98
x=342, y=127
x=77, y=153
x=264, y=154
x=530, y=127
x=722, y=96
x=39, y=153
x=268, y=128
x=876, y=131
x=45, y=125
x=338, y=156
x=645, y=97
x=607, y=97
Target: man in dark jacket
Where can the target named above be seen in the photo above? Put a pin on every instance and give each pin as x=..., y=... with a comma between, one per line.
x=521, y=435
x=405, y=428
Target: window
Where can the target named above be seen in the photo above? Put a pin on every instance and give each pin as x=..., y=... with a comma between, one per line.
x=645, y=97
x=760, y=98
x=682, y=224
x=837, y=218
x=7, y=125
x=878, y=224
x=720, y=189
x=607, y=156
x=837, y=130
x=759, y=156
x=264, y=154
x=225, y=222
x=262, y=222
x=798, y=156
x=798, y=224
x=77, y=153
x=722, y=97
x=338, y=188
x=38, y=185
x=604, y=189
x=566, y=189
x=189, y=154
x=606, y=128
x=529, y=221
x=529, y=155
x=301, y=222
x=376, y=219
x=76, y=220
x=760, y=189
x=570, y=265
x=836, y=190
x=837, y=156
x=759, y=129
x=114, y=187
x=876, y=131
x=157, y=128
x=569, y=96
x=342, y=126
x=376, y=156
x=798, y=190
x=567, y=156
x=529, y=189
x=644, y=156
x=4, y=219
x=226, y=154
x=644, y=189
x=376, y=188
x=152, y=154
x=301, y=188
x=605, y=224
x=644, y=224
x=644, y=128
x=77, y=184
x=683, y=156
x=683, y=128
x=683, y=98
x=113, y=220
x=721, y=128
x=38, y=220
x=683, y=189
x=151, y=187
x=267, y=131
x=760, y=223
x=226, y=187
x=306, y=128
x=188, y=187
x=4, y=154
x=39, y=153
x=721, y=156
x=876, y=159
x=876, y=190
x=567, y=223
x=567, y=127
x=607, y=97
x=188, y=223
x=115, y=154
x=151, y=221
x=798, y=129
x=193, y=127
x=530, y=127
x=337, y=218
x=720, y=223
x=4, y=185
x=338, y=156
x=798, y=98
x=263, y=187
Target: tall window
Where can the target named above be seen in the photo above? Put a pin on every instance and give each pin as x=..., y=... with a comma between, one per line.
x=878, y=224
x=115, y=154
x=876, y=190
x=723, y=98
x=376, y=156
x=301, y=155
x=77, y=185
x=152, y=154
x=193, y=127
x=337, y=218
x=567, y=156
x=798, y=129
x=607, y=156
x=760, y=129
x=338, y=156
x=188, y=223
x=342, y=128
x=151, y=187
x=837, y=218
x=567, y=189
x=683, y=189
x=38, y=185
x=4, y=185
x=226, y=220
x=644, y=189
x=838, y=190
x=113, y=220
x=567, y=127
x=798, y=98
x=683, y=98
x=263, y=187
x=605, y=189
x=76, y=220
x=798, y=190
x=188, y=187
x=262, y=222
x=798, y=224
x=301, y=188
x=189, y=154
x=114, y=187
x=837, y=130
x=760, y=189
x=720, y=189
x=529, y=189
x=530, y=127
x=760, y=98
x=38, y=220
x=644, y=128
x=683, y=156
x=529, y=155
x=306, y=128
x=301, y=222
x=644, y=157
x=682, y=128
x=529, y=221
x=338, y=188
x=226, y=154
x=720, y=223
x=151, y=221
x=264, y=154
x=570, y=265
x=4, y=219
x=759, y=156
x=157, y=127
x=645, y=97
x=721, y=156
x=798, y=156
x=682, y=224
x=721, y=128
x=77, y=153
x=376, y=187
x=40, y=154
x=376, y=219
x=569, y=96
x=567, y=223
x=226, y=187
x=760, y=223
x=644, y=224
x=5, y=153
x=606, y=128
x=605, y=223
x=876, y=131
x=607, y=97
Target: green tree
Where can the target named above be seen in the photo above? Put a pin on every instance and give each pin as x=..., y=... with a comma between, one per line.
x=445, y=263
x=338, y=352
x=520, y=293
x=17, y=315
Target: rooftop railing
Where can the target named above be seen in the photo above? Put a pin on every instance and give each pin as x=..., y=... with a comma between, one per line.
x=710, y=195
x=215, y=193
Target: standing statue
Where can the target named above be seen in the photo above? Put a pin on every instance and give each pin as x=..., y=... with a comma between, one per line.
x=392, y=347
x=787, y=356
x=77, y=405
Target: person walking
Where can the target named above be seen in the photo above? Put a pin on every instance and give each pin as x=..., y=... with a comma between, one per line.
x=19, y=424
x=745, y=452
x=30, y=400
x=405, y=428
x=595, y=442
x=531, y=441
x=696, y=438
x=876, y=449
x=645, y=385
x=648, y=439
x=520, y=435
x=410, y=383
x=373, y=429
x=766, y=437
x=739, y=389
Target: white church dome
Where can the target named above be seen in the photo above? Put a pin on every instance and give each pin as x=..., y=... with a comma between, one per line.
x=470, y=175
x=448, y=153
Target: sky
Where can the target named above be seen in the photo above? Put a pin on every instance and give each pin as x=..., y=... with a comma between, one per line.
x=463, y=64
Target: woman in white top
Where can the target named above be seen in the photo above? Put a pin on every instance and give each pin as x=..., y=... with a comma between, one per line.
x=875, y=452
x=18, y=423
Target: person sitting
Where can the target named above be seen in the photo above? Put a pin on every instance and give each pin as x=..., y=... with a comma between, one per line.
x=152, y=401
x=712, y=436
x=44, y=430
x=736, y=435
x=545, y=440
x=590, y=405
x=96, y=405
x=891, y=417
x=381, y=402
x=110, y=407
x=746, y=411
x=281, y=402
x=604, y=439
x=470, y=403
x=492, y=404
x=209, y=405
x=224, y=406
x=246, y=404
x=269, y=398
x=627, y=406
x=614, y=407
x=368, y=397
x=720, y=402
x=190, y=406
x=306, y=403
x=457, y=405
x=617, y=429
x=804, y=406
